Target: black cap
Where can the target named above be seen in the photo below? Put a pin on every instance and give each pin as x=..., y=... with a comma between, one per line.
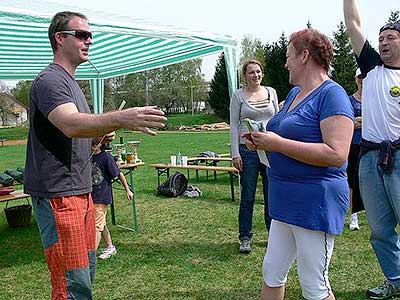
x=391, y=26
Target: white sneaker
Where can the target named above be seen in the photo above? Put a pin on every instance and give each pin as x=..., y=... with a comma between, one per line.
x=353, y=225
x=107, y=252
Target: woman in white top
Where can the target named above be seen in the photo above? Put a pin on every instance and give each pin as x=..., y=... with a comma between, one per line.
x=258, y=103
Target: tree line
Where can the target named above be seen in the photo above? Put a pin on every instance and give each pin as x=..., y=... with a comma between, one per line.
x=179, y=87
x=173, y=88
x=273, y=58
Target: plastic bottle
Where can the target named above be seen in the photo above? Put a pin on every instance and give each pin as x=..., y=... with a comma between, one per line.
x=123, y=152
x=179, y=158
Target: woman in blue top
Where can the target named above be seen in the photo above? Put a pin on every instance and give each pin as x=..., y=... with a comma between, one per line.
x=309, y=141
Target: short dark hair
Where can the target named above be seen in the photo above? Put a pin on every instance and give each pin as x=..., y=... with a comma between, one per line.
x=60, y=22
x=249, y=62
x=316, y=43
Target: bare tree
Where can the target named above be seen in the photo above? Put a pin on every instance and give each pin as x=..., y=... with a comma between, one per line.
x=4, y=89
x=5, y=103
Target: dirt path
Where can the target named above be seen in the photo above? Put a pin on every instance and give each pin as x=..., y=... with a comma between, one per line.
x=15, y=142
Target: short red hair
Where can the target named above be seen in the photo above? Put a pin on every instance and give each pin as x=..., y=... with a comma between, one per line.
x=316, y=43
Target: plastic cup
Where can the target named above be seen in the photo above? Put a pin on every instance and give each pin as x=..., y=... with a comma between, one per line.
x=173, y=160
x=184, y=160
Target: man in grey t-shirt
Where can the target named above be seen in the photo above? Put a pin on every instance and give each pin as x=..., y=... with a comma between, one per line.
x=57, y=176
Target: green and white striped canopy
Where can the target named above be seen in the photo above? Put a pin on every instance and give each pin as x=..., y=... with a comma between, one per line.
x=121, y=45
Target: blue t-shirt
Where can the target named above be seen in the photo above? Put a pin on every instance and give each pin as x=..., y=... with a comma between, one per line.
x=104, y=169
x=357, y=113
x=301, y=194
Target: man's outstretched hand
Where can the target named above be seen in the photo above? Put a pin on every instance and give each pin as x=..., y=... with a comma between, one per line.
x=143, y=119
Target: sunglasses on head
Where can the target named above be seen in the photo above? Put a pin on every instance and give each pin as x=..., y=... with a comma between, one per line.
x=79, y=34
x=391, y=26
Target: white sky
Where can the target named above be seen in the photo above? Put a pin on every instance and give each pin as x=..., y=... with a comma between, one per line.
x=262, y=19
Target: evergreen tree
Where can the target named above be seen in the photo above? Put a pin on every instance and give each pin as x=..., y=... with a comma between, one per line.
x=394, y=16
x=275, y=72
x=218, y=97
x=343, y=63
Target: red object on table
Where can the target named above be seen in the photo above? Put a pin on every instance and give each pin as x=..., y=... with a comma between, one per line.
x=6, y=190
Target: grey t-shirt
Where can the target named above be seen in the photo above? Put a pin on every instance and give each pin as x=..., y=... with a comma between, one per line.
x=54, y=162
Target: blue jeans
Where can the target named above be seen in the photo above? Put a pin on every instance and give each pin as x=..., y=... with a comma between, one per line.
x=248, y=184
x=380, y=193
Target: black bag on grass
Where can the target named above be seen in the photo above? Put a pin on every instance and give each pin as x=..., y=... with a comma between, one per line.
x=174, y=186
x=208, y=154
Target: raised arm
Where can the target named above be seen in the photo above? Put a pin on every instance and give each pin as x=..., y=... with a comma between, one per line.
x=353, y=25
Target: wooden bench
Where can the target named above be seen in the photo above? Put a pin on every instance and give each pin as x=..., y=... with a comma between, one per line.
x=2, y=142
x=209, y=161
x=17, y=194
x=164, y=169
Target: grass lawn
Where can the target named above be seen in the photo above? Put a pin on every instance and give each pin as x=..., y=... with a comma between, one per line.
x=185, y=248
x=13, y=133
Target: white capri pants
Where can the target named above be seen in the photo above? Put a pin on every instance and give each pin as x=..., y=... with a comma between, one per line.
x=313, y=251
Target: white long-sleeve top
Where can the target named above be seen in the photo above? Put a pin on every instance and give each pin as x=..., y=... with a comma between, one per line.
x=240, y=109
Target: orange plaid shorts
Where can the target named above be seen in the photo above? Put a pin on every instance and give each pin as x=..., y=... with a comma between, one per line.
x=67, y=230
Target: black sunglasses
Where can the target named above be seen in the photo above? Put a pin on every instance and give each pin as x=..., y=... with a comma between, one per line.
x=391, y=26
x=79, y=34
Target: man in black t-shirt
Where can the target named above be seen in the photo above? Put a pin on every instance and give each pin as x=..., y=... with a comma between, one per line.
x=379, y=166
x=57, y=175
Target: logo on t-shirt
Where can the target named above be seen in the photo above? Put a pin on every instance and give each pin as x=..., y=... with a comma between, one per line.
x=97, y=175
x=395, y=91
